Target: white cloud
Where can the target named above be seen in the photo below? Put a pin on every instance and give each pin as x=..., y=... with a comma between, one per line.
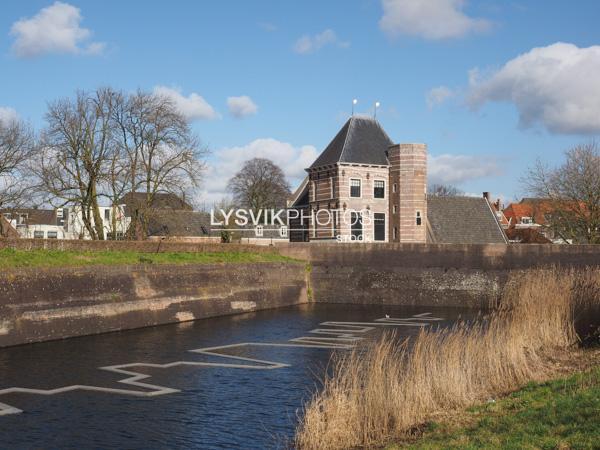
x=54, y=29
x=268, y=26
x=310, y=44
x=241, y=106
x=456, y=169
x=227, y=162
x=429, y=19
x=7, y=114
x=437, y=96
x=193, y=107
x=555, y=86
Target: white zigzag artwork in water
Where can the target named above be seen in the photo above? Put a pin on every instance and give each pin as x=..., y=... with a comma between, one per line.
x=339, y=335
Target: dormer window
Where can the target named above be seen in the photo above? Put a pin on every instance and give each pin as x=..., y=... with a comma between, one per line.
x=526, y=220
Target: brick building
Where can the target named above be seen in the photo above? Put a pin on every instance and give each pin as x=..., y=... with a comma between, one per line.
x=363, y=187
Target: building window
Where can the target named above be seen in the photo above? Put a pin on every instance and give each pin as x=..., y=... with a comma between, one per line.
x=379, y=225
x=354, y=187
x=394, y=188
x=419, y=218
x=379, y=189
x=259, y=231
x=526, y=220
x=356, y=226
x=313, y=193
x=38, y=235
x=107, y=214
x=283, y=231
x=52, y=235
x=395, y=233
x=395, y=209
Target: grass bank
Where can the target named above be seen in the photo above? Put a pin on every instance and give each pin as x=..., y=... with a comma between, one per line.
x=10, y=258
x=385, y=392
x=562, y=413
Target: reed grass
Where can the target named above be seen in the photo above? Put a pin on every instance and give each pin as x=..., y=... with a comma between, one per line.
x=384, y=391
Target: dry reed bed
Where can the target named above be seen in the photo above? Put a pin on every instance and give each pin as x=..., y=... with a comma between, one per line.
x=383, y=392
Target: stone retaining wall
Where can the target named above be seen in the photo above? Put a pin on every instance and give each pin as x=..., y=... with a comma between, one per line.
x=426, y=274
x=45, y=304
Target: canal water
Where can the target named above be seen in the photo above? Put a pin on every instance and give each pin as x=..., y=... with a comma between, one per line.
x=144, y=389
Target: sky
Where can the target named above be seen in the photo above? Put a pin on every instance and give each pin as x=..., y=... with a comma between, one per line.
x=489, y=85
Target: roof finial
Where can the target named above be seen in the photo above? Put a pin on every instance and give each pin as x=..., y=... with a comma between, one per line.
x=377, y=104
x=354, y=102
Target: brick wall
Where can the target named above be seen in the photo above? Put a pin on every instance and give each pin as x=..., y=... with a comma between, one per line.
x=408, y=171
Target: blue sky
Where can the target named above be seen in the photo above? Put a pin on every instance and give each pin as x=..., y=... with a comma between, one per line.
x=486, y=84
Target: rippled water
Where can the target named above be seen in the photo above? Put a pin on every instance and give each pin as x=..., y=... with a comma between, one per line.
x=216, y=407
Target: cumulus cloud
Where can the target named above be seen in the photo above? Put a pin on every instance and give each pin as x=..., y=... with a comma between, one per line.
x=54, y=29
x=437, y=96
x=310, y=44
x=7, y=114
x=431, y=19
x=555, y=86
x=193, y=107
x=456, y=169
x=241, y=106
x=226, y=162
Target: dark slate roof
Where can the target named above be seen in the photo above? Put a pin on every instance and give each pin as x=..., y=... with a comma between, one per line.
x=299, y=198
x=180, y=223
x=361, y=140
x=462, y=220
x=168, y=201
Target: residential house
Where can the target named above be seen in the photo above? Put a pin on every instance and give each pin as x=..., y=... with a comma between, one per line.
x=37, y=223
x=115, y=222
x=528, y=221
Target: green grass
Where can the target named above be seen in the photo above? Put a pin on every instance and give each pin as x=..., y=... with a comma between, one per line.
x=560, y=414
x=10, y=258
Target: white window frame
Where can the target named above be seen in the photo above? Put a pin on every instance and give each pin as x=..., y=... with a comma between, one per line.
x=259, y=231
x=384, y=193
x=395, y=209
x=283, y=231
x=418, y=216
x=359, y=187
x=395, y=188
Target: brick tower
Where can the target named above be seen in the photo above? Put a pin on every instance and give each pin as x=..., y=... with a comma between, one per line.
x=408, y=192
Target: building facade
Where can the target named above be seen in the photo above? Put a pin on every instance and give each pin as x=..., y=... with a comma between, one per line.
x=363, y=188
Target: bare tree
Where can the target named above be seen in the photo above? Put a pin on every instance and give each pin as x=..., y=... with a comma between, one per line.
x=573, y=193
x=75, y=149
x=260, y=184
x=16, y=150
x=444, y=190
x=163, y=154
